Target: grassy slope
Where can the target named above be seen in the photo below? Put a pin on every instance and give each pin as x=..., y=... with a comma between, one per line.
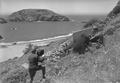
x=95, y=66
x=99, y=66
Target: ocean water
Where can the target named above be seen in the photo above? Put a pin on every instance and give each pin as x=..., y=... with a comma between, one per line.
x=13, y=32
x=33, y=31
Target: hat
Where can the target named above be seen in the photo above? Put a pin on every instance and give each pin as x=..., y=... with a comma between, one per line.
x=40, y=52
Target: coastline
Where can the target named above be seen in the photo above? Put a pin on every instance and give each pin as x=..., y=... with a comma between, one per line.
x=35, y=41
x=15, y=49
x=50, y=39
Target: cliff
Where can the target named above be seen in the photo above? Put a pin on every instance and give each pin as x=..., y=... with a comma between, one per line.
x=115, y=11
x=36, y=15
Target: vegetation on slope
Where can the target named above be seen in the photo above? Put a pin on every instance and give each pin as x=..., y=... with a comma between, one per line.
x=95, y=61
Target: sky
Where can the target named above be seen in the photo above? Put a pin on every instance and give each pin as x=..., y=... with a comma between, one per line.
x=59, y=6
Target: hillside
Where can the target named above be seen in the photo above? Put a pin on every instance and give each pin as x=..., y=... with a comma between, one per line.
x=71, y=60
x=34, y=15
x=115, y=11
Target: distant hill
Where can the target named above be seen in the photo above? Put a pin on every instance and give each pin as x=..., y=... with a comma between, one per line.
x=34, y=15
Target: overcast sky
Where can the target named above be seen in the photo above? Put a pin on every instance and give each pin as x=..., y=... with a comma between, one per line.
x=60, y=6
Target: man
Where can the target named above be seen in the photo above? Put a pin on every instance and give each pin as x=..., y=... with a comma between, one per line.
x=34, y=59
x=41, y=59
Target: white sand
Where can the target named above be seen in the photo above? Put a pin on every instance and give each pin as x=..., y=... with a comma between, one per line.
x=11, y=52
x=15, y=49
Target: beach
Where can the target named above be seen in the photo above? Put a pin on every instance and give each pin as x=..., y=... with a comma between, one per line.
x=15, y=49
x=15, y=40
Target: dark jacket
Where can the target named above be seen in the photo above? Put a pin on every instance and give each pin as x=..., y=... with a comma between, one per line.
x=34, y=60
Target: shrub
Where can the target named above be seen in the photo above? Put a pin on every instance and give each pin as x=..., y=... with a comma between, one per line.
x=80, y=43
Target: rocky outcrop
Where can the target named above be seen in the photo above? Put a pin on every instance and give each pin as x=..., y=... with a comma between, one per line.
x=115, y=11
x=2, y=21
x=36, y=15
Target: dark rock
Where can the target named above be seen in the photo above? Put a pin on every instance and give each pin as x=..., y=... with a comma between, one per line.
x=2, y=21
x=1, y=37
x=98, y=40
x=36, y=15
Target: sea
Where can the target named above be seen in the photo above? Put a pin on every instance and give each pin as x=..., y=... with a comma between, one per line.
x=17, y=32
x=14, y=32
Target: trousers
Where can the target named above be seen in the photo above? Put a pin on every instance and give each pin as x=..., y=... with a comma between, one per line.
x=32, y=71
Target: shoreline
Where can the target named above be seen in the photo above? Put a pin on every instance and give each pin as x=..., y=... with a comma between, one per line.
x=35, y=41
x=50, y=39
x=15, y=49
